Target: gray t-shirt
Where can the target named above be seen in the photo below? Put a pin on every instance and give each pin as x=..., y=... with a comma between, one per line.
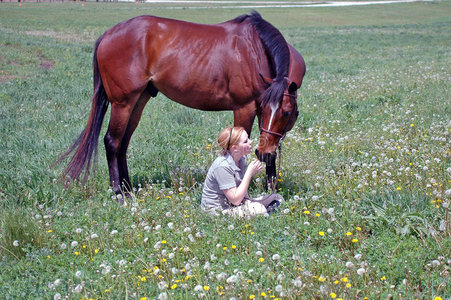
x=222, y=175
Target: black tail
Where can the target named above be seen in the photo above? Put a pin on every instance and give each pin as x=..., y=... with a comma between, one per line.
x=85, y=145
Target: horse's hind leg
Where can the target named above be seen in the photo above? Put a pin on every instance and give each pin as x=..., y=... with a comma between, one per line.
x=121, y=112
x=132, y=124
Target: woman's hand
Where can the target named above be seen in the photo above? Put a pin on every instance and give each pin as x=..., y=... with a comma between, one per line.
x=254, y=167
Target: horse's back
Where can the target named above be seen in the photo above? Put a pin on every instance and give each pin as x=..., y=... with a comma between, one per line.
x=210, y=64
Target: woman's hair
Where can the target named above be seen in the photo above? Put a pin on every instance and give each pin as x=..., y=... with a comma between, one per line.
x=228, y=137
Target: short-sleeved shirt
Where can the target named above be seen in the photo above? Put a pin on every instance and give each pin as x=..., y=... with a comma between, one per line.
x=222, y=175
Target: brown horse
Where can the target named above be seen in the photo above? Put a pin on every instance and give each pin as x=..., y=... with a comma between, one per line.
x=244, y=65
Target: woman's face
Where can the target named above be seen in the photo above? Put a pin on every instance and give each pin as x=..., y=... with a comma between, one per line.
x=244, y=144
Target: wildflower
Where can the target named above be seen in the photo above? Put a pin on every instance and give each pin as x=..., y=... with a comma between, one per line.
x=263, y=294
x=361, y=271
x=163, y=296
x=349, y=265
x=57, y=296
x=348, y=233
x=333, y=295
x=354, y=240
x=232, y=279
x=251, y=296
x=437, y=298
x=74, y=244
x=321, y=279
x=279, y=288
x=321, y=233
x=275, y=257
x=358, y=229
x=261, y=259
x=78, y=274
x=198, y=288
x=174, y=286
x=344, y=279
x=306, y=212
x=383, y=278
x=206, y=287
x=113, y=232
x=94, y=236
x=348, y=285
x=16, y=243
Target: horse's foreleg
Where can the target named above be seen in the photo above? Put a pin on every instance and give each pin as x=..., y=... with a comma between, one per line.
x=244, y=117
x=132, y=124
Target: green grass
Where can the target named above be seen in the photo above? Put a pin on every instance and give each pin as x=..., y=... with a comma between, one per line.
x=365, y=170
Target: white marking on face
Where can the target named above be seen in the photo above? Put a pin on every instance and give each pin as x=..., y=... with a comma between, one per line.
x=274, y=107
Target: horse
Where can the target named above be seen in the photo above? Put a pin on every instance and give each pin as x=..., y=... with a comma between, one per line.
x=244, y=65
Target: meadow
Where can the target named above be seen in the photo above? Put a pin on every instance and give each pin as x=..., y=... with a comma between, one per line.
x=365, y=172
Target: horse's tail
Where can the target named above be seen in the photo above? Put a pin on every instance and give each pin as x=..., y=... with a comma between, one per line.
x=85, y=145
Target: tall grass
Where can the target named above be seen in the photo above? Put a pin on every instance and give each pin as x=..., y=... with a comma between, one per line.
x=365, y=171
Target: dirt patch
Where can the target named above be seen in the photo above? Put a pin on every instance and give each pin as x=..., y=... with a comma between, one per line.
x=46, y=64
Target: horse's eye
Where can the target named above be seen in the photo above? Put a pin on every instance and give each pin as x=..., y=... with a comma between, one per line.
x=286, y=114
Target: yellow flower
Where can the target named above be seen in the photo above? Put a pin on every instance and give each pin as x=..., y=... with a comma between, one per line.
x=348, y=233
x=49, y=231
x=383, y=278
x=143, y=298
x=163, y=241
x=358, y=229
x=206, y=287
x=96, y=251
x=306, y=212
x=251, y=296
x=143, y=279
x=321, y=279
x=354, y=240
x=348, y=285
x=318, y=215
x=263, y=294
x=321, y=233
x=233, y=247
x=174, y=286
x=438, y=298
x=261, y=259
x=344, y=279
x=77, y=253
x=399, y=188
x=333, y=295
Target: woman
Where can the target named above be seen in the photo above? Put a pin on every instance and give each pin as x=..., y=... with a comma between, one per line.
x=227, y=182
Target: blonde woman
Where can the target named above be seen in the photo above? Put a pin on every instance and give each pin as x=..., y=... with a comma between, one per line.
x=227, y=182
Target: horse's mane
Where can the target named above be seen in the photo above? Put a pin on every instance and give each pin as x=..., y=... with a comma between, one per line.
x=277, y=51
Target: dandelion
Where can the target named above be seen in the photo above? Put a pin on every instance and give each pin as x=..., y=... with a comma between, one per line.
x=348, y=233
x=16, y=243
x=361, y=271
x=251, y=296
x=261, y=259
x=348, y=285
x=74, y=244
x=57, y=296
x=78, y=274
x=263, y=294
x=206, y=287
x=333, y=295
x=198, y=288
x=354, y=240
x=94, y=236
x=276, y=257
x=232, y=279
x=321, y=233
x=163, y=296
x=174, y=286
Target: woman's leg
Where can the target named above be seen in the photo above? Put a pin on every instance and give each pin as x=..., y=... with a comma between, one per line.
x=250, y=209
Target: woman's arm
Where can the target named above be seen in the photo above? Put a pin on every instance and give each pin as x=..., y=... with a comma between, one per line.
x=236, y=194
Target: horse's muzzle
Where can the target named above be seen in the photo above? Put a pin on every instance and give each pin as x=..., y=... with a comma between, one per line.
x=267, y=158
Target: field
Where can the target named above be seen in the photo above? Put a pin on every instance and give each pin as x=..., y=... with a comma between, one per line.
x=366, y=170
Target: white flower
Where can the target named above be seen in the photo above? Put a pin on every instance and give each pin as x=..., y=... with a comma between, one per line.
x=162, y=285
x=361, y=271
x=63, y=246
x=231, y=227
x=163, y=296
x=198, y=288
x=171, y=225
x=349, y=265
x=297, y=282
x=74, y=244
x=78, y=289
x=279, y=288
x=57, y=282
x=232, y=279
x=158, y=227
x=276, y=257
x=113, y=232
x=187, y=230
x=16, y=243
x=78, y=230
x=78, y=274
x=94, y=236
x=258, y=253
x=314, y=198
x=57, y=296
x=358, y=256
x=221, y=276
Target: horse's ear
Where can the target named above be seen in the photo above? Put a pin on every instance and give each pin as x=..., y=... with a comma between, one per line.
x=267, y=80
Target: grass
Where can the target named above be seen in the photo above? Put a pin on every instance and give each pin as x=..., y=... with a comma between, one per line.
x=365, y=170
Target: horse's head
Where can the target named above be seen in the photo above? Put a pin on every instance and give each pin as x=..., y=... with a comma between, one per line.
x=279, y=111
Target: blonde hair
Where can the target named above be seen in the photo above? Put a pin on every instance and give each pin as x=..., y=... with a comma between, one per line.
x=228, y=137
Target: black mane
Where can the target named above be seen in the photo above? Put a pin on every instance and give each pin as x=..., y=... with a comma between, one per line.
x=278, y=54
